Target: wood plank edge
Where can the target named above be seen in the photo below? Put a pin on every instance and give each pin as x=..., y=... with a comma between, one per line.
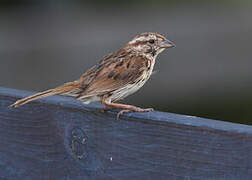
x=156, y=116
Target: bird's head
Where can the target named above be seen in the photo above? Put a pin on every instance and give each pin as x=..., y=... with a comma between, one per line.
x=149, y=44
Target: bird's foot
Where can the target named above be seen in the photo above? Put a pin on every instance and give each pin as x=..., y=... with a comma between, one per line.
x=135, y=109
x=124, y=108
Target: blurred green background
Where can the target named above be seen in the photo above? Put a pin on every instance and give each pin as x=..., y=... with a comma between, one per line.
x=46, y=43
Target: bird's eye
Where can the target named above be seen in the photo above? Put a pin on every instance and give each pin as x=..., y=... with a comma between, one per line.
x=151, y=41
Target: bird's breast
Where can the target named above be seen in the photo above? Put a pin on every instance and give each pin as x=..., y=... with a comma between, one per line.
x=136, y=85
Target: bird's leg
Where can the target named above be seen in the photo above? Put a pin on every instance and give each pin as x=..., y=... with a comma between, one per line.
x=106, y=108
x=125, y=108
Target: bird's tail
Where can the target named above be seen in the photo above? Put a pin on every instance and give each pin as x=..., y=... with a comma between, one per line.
x=59, y=90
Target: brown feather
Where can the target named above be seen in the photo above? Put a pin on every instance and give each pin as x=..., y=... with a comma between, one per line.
x=116, y=75
x=66, y=87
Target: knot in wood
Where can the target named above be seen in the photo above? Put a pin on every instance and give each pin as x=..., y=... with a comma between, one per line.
x=78, y=143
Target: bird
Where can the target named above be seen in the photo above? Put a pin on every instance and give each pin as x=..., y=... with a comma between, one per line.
x=115, y=76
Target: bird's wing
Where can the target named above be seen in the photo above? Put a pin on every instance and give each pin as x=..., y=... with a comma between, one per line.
x=114, y=74
x=88, y=77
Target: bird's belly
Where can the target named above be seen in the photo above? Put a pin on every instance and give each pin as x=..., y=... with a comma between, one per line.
x=131, y=88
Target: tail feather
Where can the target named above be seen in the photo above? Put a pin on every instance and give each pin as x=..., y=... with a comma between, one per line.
x=59, y=90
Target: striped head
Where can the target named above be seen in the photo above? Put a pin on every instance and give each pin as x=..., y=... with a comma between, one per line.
x=149, y=44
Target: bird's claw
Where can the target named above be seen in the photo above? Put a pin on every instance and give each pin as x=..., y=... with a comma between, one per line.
x=135, y=110
x=121, y=112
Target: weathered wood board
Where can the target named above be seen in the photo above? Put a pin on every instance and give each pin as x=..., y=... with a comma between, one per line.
x=60, y=138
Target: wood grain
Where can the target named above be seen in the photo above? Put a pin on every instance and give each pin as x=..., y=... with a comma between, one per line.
x=59, y=138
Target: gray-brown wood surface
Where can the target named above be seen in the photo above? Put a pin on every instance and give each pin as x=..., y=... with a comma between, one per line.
x=60, y=138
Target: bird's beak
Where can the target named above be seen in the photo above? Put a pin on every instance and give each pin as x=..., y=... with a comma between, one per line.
x=166, y=44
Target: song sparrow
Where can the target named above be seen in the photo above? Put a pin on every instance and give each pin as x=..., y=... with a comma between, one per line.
x=115, y=76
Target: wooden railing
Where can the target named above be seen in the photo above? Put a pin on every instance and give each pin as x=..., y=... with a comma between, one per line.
x=60, y=138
